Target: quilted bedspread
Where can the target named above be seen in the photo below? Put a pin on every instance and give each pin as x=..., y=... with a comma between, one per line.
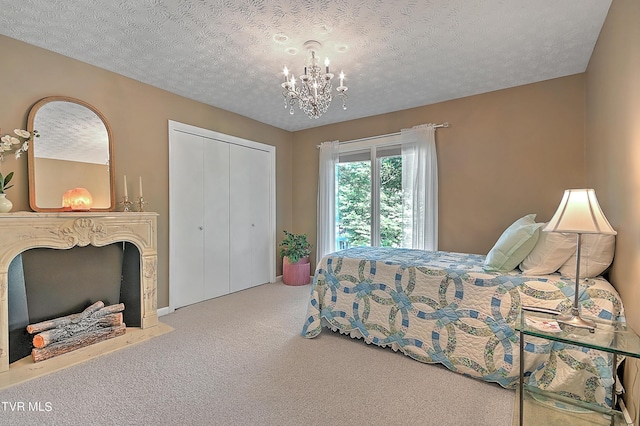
x=442, y=307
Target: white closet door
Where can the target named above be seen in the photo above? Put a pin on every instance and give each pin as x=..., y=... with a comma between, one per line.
x=260, y=199
x=221, y=214
x=240, y=220
x=249, y=221
x=186, y=219
x=216, y=218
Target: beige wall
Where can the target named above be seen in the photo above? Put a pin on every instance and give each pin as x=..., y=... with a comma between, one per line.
x=613, y=154
x=507, y=153
x=138, y=115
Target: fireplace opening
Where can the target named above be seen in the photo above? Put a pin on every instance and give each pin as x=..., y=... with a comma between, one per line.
x=49, y=283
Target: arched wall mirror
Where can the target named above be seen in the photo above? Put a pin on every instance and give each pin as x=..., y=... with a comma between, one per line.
x=74, y=150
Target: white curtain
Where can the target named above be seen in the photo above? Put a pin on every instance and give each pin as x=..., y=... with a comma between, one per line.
x=420, y=187
x=326, y=228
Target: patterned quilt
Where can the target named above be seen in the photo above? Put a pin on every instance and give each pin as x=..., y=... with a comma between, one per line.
x=442, y=307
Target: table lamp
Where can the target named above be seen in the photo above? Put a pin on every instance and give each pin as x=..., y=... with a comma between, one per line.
x=579, y=213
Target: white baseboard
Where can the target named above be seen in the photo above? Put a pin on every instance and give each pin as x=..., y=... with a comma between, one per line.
x=164, y=311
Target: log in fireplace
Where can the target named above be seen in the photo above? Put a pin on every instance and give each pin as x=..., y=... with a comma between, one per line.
x=62, y=335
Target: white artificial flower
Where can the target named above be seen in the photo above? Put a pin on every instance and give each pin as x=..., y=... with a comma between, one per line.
x=9, y=143
x=22, y=133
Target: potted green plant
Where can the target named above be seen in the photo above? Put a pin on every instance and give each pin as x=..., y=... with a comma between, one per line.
x=295, y=251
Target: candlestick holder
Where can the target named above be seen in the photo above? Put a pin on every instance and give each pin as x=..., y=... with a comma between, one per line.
x=126, y=204
x=141, y=202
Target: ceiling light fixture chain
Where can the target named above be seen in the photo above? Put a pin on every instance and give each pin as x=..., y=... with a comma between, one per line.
x=313, y=91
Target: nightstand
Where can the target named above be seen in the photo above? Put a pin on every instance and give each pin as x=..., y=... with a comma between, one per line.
x=609, y=336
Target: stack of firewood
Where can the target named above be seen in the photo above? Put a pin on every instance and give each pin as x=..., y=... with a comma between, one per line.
x=66, y=334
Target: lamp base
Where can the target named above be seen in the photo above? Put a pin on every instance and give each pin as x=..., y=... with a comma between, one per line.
x=574, y=319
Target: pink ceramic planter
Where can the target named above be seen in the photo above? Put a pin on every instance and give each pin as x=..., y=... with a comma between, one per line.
x=296, y=273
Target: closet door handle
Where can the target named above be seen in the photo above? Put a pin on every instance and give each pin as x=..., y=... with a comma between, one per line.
x=200, y=228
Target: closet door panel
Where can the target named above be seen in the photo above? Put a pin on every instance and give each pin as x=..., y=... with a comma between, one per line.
x=260, y=201
x=216, y=218
x=240, y=181
x=186, y=219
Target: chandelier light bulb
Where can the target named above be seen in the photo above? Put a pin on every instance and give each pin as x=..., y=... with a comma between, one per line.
x=313, y=92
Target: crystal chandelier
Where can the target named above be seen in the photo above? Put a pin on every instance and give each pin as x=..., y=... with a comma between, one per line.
x=312, y=92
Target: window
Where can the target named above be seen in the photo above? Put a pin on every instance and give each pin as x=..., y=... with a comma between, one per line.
x=369, y=205
x=380, y=191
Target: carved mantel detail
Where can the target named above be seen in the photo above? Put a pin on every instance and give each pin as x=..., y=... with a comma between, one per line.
x=24, y=230
x=83, y=232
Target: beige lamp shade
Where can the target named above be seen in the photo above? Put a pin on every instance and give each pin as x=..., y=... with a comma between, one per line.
x=580, y=213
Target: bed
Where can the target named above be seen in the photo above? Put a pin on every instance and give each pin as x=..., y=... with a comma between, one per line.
x=445, y=307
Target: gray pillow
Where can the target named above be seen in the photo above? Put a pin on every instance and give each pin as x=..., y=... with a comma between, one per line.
x=515, y=243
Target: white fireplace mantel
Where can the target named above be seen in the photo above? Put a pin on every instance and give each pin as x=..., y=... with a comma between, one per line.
x=25, y=230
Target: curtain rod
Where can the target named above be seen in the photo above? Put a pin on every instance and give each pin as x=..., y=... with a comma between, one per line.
x=435, y=126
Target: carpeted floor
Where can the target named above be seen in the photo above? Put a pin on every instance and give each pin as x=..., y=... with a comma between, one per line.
x=240, y=360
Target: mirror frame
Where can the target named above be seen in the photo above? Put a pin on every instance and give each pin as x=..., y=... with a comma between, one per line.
x=31, y=159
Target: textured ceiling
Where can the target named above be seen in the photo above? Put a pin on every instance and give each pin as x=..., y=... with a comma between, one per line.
x=395, y=54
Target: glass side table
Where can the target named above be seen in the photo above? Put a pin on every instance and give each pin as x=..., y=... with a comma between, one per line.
x=609, y=336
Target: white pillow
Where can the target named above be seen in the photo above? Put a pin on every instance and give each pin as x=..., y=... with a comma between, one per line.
x=596, y=255
x=551, y=251
x=515, y=243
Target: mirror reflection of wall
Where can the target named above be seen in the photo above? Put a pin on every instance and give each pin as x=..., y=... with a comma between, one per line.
x=73, y=150
x=69, y=175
